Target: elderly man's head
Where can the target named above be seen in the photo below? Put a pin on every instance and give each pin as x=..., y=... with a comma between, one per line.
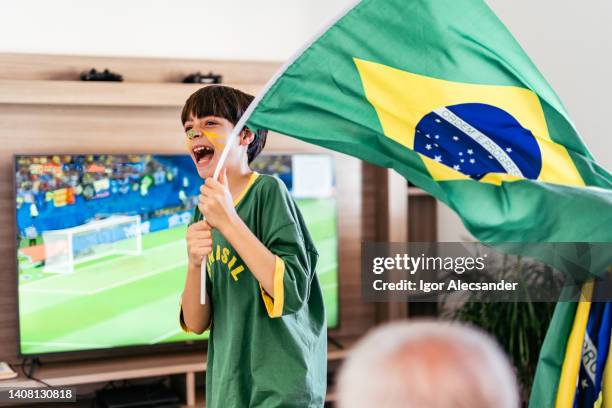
x=427, y=364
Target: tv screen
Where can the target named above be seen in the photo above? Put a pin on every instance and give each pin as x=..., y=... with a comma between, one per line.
x=101, y=244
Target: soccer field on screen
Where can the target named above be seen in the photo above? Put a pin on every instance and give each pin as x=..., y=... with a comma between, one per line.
x=125, y=300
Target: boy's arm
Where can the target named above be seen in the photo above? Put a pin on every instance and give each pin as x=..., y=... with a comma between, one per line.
x=195, y=317
x=217, y=205
x=256, y=256
x=280, y=261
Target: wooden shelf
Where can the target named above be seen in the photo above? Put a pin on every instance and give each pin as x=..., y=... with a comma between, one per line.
x=200, y=401
x=86, y=372
x=331, y=395
x=125, y=368
x=111, y=369
x=415, y=191
x=93, y=93
x=338, y=354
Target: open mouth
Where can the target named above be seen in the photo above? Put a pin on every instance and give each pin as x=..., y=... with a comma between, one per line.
x=203, y=154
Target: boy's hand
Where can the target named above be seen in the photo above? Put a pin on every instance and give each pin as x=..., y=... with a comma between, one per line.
x=216, y=203
x=199, y=242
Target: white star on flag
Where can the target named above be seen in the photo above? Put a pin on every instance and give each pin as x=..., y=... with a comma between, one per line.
x=456, y=167
x=428, y=146
x=470, y=151
x=438, y=158
x=455, y=138
x=509, y=150
x=472, y=161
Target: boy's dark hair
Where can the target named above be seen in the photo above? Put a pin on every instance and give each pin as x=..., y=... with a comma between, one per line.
x=225, y=102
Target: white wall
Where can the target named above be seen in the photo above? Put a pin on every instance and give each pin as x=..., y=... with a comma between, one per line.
x=571, y=43
x=209, y=29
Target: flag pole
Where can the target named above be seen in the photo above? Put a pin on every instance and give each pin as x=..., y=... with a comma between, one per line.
x=228, y=145
x=247, y=114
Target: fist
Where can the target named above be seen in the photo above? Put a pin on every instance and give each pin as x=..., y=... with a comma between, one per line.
x=199, y=242
x=216, y=204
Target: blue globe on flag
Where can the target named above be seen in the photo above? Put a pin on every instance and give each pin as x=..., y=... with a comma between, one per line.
x=476, y=139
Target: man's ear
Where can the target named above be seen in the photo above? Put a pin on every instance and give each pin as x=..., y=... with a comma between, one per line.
x=246, y=137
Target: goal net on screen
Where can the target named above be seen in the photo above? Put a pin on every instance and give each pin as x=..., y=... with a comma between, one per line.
x=115, y=235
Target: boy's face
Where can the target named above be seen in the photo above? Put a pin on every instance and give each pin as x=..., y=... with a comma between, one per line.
x=206, y=137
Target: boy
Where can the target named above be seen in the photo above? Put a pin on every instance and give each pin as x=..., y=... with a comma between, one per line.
x=264, y=305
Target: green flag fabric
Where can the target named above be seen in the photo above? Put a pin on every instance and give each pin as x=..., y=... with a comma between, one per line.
x=377, y=82
x=552, y=354
x=441, y=92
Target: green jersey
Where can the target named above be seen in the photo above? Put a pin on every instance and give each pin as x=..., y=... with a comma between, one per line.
x=263, y=351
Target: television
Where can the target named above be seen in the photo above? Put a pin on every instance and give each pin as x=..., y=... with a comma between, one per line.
x=101, y=253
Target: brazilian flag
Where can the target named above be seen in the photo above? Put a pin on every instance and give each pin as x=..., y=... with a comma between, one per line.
x=440, y=91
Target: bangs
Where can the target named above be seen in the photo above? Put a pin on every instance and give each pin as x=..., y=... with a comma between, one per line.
x=216, y=100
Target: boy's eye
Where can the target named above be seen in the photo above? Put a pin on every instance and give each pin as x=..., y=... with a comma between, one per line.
x=210, y=123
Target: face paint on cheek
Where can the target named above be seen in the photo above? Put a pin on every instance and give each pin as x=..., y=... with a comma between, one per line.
x=216, y=140
x=191, y=133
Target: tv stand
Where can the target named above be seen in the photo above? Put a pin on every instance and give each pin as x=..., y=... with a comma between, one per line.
x=138, y=396
x=335, y=342
x=183, y=366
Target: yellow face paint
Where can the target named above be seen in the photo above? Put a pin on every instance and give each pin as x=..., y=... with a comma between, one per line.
x=214, y=138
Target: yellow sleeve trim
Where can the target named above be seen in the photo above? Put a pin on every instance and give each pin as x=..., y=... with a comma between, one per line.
x=181, y=318
x=274, y=306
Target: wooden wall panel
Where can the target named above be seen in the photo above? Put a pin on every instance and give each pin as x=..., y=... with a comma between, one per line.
x=69, y=67
x=375, y=203
x=423, y=218
x=422, y=227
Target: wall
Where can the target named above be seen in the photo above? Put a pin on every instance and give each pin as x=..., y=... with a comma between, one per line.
x=203, y=29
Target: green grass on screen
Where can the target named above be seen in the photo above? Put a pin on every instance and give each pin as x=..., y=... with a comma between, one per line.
x=123, y=300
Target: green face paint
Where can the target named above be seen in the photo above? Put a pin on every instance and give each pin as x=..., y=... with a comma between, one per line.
x=191, y=133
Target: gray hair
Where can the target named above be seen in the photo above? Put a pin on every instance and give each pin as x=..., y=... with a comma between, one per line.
x=427, y=364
